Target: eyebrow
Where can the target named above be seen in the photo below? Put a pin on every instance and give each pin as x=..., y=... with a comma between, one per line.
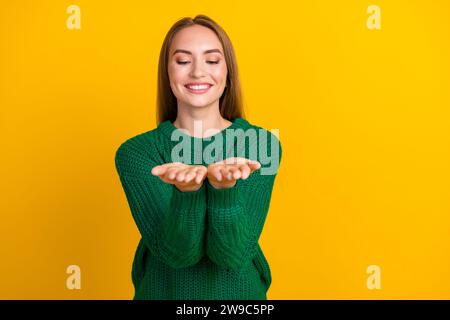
x=188, y=52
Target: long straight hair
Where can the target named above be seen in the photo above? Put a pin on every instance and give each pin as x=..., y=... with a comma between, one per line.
x=230, y=103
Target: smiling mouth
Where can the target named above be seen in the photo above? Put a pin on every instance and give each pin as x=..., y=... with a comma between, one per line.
x=198, y=88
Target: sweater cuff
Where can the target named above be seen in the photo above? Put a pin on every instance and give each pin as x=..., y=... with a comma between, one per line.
x=223, y=198
x=189, y=200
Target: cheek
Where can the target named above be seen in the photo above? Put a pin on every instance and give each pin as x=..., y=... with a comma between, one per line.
x=221, y=75
x=176, y=75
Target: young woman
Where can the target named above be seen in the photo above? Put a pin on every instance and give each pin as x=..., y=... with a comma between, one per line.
x=200, y=217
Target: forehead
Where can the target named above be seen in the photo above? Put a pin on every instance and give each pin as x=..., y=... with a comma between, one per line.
x=196, y=39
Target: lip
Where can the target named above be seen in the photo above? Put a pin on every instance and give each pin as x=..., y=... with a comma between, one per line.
x=198, y=83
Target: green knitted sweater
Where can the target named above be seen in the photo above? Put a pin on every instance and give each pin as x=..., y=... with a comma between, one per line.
x=201, y=244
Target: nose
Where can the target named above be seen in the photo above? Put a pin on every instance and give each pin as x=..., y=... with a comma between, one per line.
x=197, y=69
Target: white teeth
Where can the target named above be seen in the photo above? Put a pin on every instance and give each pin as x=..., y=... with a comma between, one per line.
x=200, y=87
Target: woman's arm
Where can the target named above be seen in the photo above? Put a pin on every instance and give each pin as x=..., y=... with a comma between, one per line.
x=236, y=217
x=171, y=222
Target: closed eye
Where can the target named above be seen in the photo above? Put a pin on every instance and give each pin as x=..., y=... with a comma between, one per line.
x=186, y=62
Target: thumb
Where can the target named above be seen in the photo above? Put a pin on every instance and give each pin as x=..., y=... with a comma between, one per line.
x=157, y=170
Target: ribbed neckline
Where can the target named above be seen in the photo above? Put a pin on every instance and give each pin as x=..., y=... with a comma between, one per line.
x=167, y=127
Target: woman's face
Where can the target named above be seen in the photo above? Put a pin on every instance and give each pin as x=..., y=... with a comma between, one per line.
x=196, y=57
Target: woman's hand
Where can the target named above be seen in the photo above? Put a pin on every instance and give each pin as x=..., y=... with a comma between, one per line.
x=225, y=173
x=184, y=177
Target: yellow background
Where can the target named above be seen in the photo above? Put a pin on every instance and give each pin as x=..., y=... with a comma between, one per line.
x=364, y=124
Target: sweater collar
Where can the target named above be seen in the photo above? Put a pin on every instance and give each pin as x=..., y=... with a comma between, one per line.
x=167, y=128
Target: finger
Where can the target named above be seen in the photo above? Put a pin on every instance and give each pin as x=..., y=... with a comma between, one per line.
x=235, y=172
x=181, y=174
x=190, y=174
x=162, y=169
x=226, y=174
x=240, y=160
x=203, y=170
x=235, y=161
x=171, y=173
x=254, y=165
x=215, y=172
x=245, y=169
x=200, y=175
x=159, y=170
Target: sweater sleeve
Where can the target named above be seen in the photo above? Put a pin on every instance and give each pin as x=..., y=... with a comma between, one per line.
x=171, y=222
x=235, y=218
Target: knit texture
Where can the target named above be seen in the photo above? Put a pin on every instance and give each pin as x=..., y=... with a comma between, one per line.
x=201, y=244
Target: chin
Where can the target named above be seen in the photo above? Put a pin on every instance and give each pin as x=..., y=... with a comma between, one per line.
x=200, y=104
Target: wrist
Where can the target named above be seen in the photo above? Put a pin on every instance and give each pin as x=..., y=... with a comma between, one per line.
x=222, y=185
x=189, y=188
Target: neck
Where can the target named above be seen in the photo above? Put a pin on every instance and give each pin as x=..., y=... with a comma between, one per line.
x=200, y=122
